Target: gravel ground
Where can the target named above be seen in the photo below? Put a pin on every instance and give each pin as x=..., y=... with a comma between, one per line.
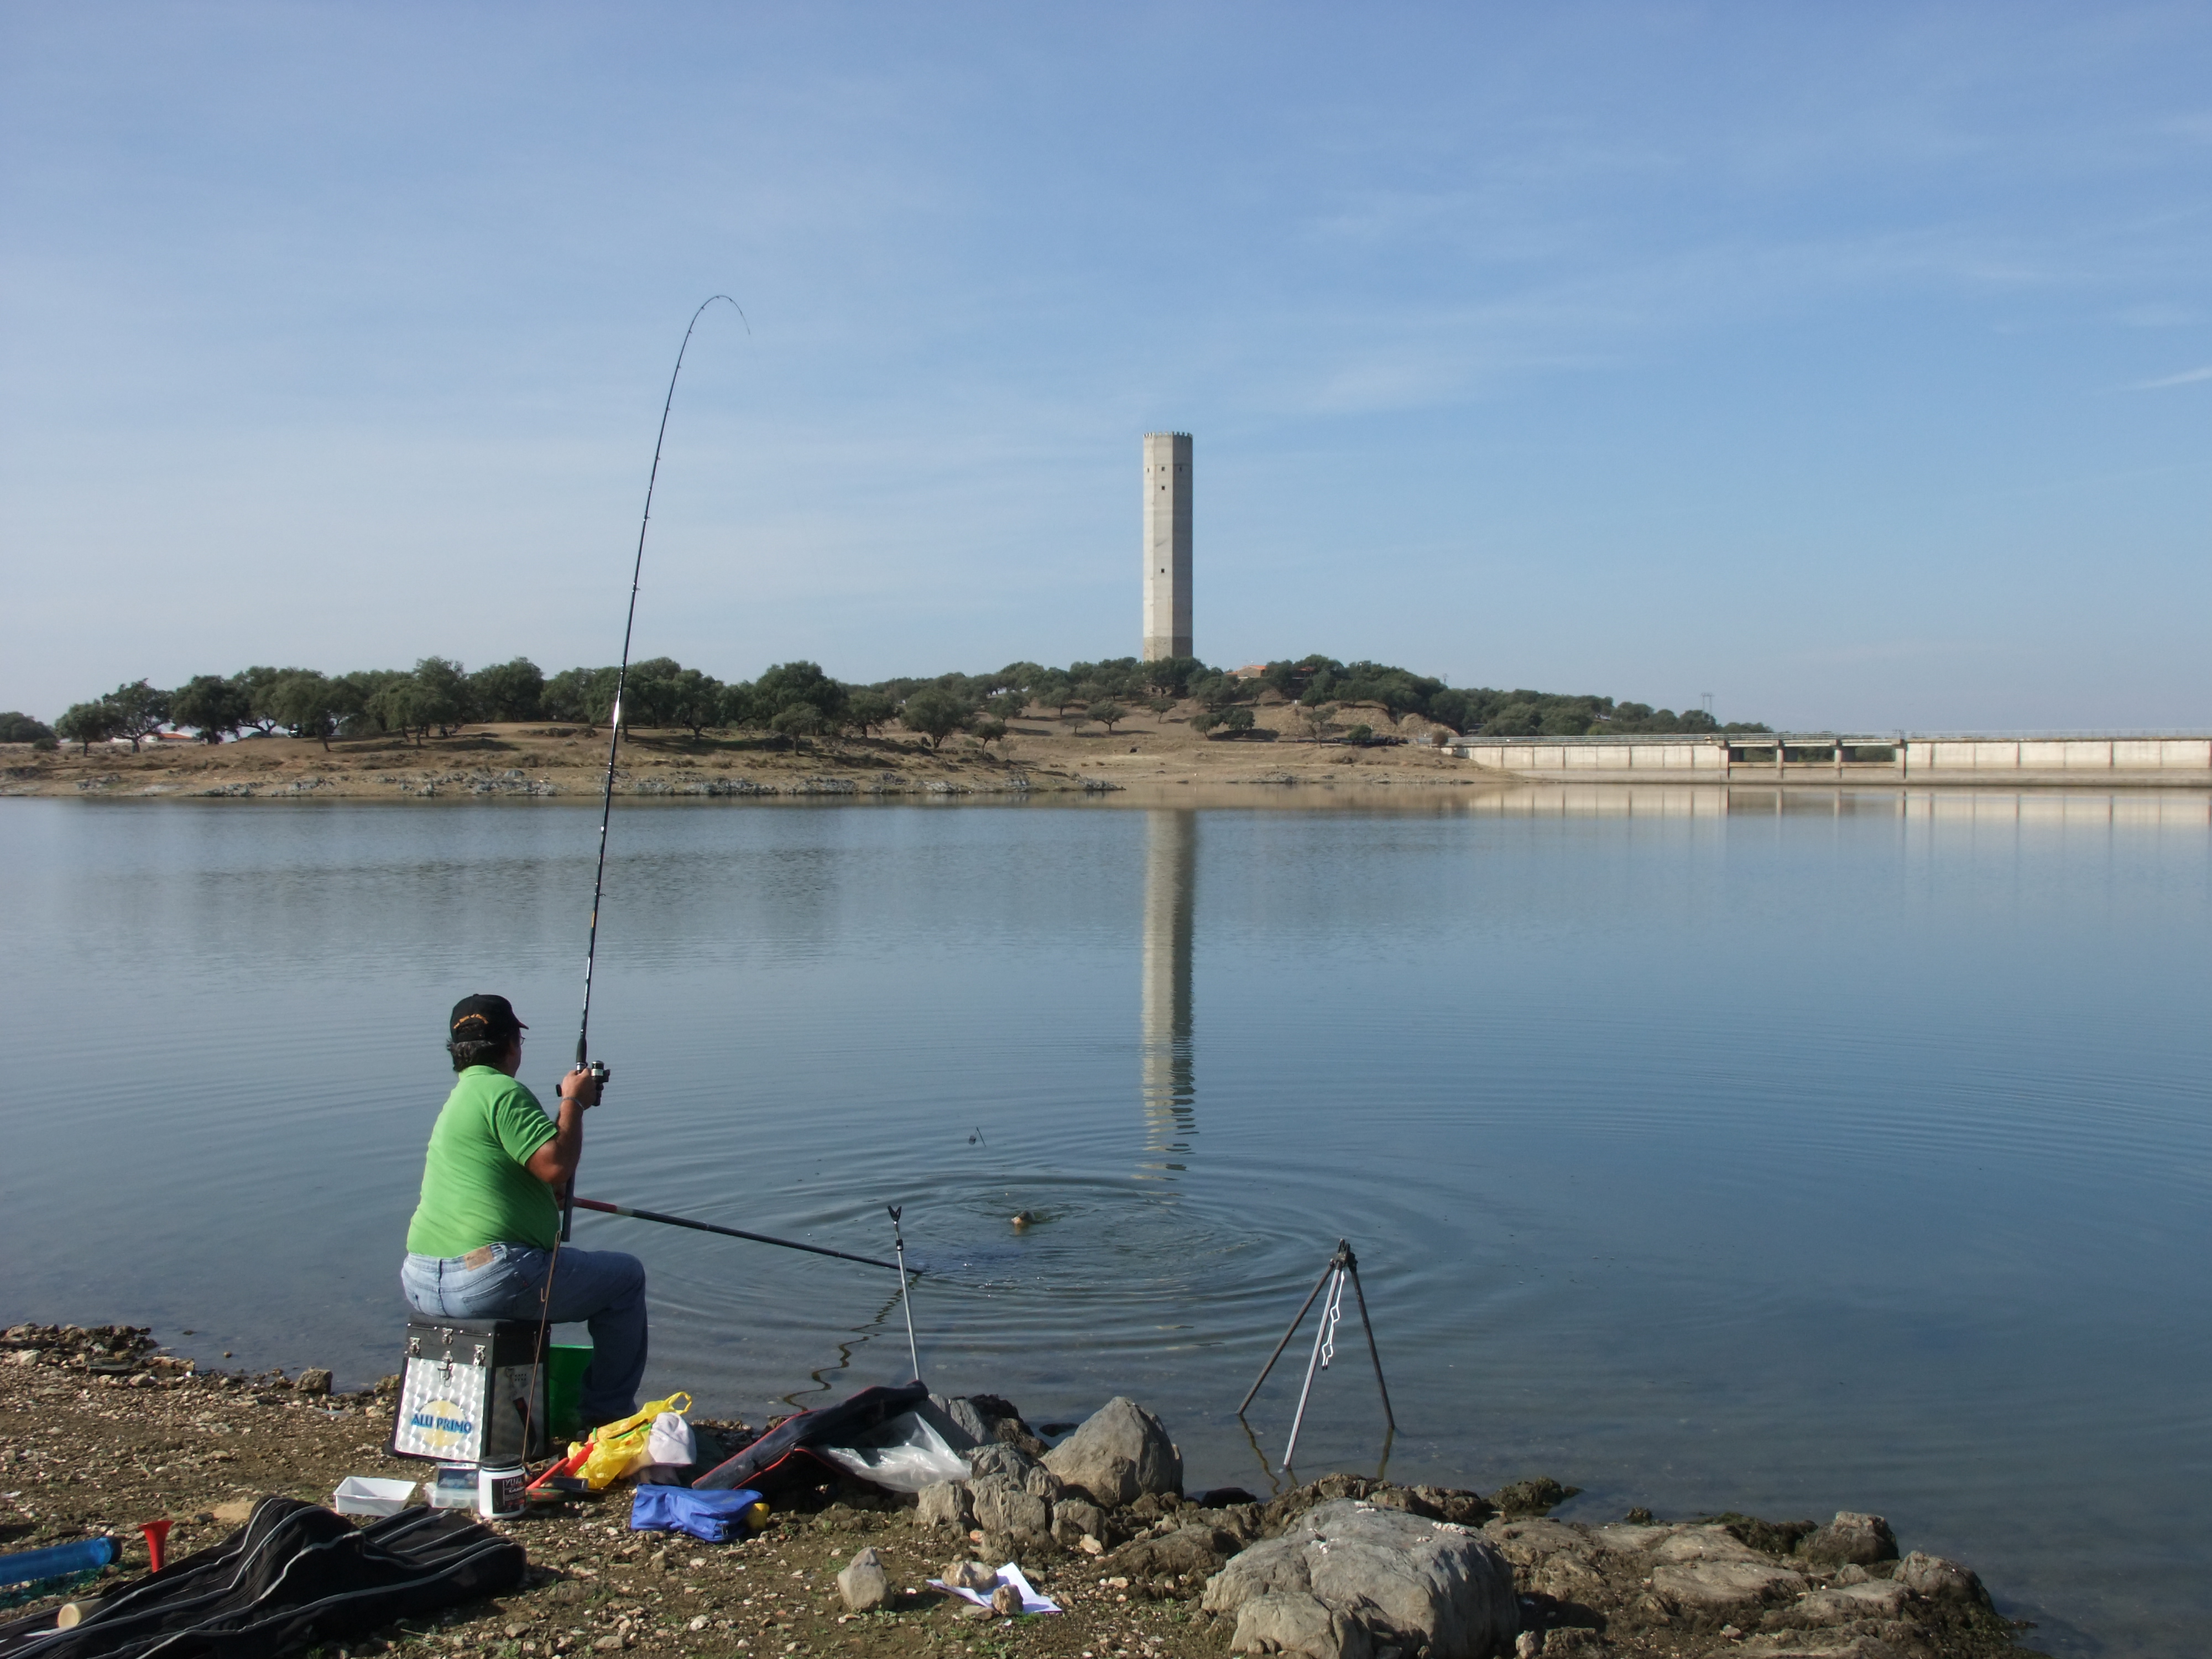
x=99, y=1432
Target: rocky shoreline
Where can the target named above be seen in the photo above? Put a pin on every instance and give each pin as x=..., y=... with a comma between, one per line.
x=100, y=1431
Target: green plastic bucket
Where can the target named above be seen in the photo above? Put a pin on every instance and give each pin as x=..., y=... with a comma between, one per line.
x=565, y=1365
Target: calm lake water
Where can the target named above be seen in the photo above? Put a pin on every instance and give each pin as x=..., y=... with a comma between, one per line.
x=1703, y=1151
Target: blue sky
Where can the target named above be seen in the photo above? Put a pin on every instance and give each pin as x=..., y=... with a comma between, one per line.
x=1853, y=364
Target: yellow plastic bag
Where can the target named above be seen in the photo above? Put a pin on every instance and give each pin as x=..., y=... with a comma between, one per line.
x=617, y=1448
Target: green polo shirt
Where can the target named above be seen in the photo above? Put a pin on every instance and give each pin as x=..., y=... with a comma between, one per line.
x=476, y=1188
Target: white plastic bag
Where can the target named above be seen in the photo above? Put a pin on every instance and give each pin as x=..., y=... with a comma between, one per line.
x=905, y=1455
x=670, y=1441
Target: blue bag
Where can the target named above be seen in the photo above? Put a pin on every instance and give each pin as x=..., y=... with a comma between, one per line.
x=85, y=1555
x=714, y=1516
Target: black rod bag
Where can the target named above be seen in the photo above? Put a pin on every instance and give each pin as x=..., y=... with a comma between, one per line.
x=832, y=1425
x=294, y=1576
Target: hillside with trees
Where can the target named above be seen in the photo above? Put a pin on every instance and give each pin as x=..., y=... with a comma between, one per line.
x=794, y=701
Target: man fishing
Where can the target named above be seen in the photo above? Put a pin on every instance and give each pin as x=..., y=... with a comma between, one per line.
x=484, y=1243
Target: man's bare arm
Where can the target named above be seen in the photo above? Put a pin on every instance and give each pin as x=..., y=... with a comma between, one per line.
x=555, y=1162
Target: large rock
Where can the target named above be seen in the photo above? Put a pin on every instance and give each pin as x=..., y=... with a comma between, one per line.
x=1188, y=1553
x=1628, y=1537
x=1008, y=1493
x=1470, y=1509
x=1240, y=1521
x=1567, y=1578
x=1525, y=1543
x=957, y=1419
x=999, y=1458
x=1860, y=1540
x=1410, y=1583
x=1703, y=1544
x=981, y=1419
x=1120, y=1451
x=1560, y=1560
x=1843, y=1604
x=1004, y=1506
x=945, y=1504
x=1301, y=1624
x=1073, y=1519
x=1719, y=1586
x=1275, y=1520
x=1535, y=1497
x=1939, y=1580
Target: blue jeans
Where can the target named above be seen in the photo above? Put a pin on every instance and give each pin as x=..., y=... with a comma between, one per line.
x=604, y=1289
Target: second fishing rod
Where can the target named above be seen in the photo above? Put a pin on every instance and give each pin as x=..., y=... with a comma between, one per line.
x=584, y=1060
x=596, y=1070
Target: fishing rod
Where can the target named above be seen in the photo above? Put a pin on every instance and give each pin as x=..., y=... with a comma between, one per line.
x=667, y=1220
x=615, y=726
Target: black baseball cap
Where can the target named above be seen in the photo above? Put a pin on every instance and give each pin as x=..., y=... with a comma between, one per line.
x=484, y=1019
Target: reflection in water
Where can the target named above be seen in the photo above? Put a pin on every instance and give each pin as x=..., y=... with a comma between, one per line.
x=825, y=1377
x=1164, y=1066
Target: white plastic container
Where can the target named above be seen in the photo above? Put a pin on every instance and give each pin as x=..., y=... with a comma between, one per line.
x=499, y=1490
x=366, y=1494
x=453, y=1487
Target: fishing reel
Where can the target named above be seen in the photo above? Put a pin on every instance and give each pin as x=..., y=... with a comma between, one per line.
x=596, y=1070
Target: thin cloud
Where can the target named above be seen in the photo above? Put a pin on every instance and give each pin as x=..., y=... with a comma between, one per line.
x=2189, y=378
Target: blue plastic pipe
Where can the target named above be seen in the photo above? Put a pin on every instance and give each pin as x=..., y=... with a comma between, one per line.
x=86, y=1555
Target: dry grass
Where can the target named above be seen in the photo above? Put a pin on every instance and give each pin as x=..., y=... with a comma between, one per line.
x=1041, y=753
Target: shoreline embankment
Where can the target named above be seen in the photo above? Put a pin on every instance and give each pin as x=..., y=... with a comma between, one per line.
x=549, y=761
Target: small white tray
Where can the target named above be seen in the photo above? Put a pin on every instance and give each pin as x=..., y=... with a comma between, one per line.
x=364, y=1494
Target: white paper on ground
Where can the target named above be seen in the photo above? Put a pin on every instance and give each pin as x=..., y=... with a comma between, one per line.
x=1009, y=1574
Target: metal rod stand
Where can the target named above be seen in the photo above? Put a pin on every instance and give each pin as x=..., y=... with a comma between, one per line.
x=906, y=1304
x=1326, y=1272
x=1351, y=1267
x=1343, y=1267
x=1313, y=1362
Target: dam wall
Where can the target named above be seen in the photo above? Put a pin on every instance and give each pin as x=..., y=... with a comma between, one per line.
x=2166, y=759
x=1935, y=805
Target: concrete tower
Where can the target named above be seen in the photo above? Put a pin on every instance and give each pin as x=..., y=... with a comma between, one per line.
x=1167, y=545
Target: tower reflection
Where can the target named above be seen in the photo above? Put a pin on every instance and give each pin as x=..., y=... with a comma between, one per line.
x=1168, y=1087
